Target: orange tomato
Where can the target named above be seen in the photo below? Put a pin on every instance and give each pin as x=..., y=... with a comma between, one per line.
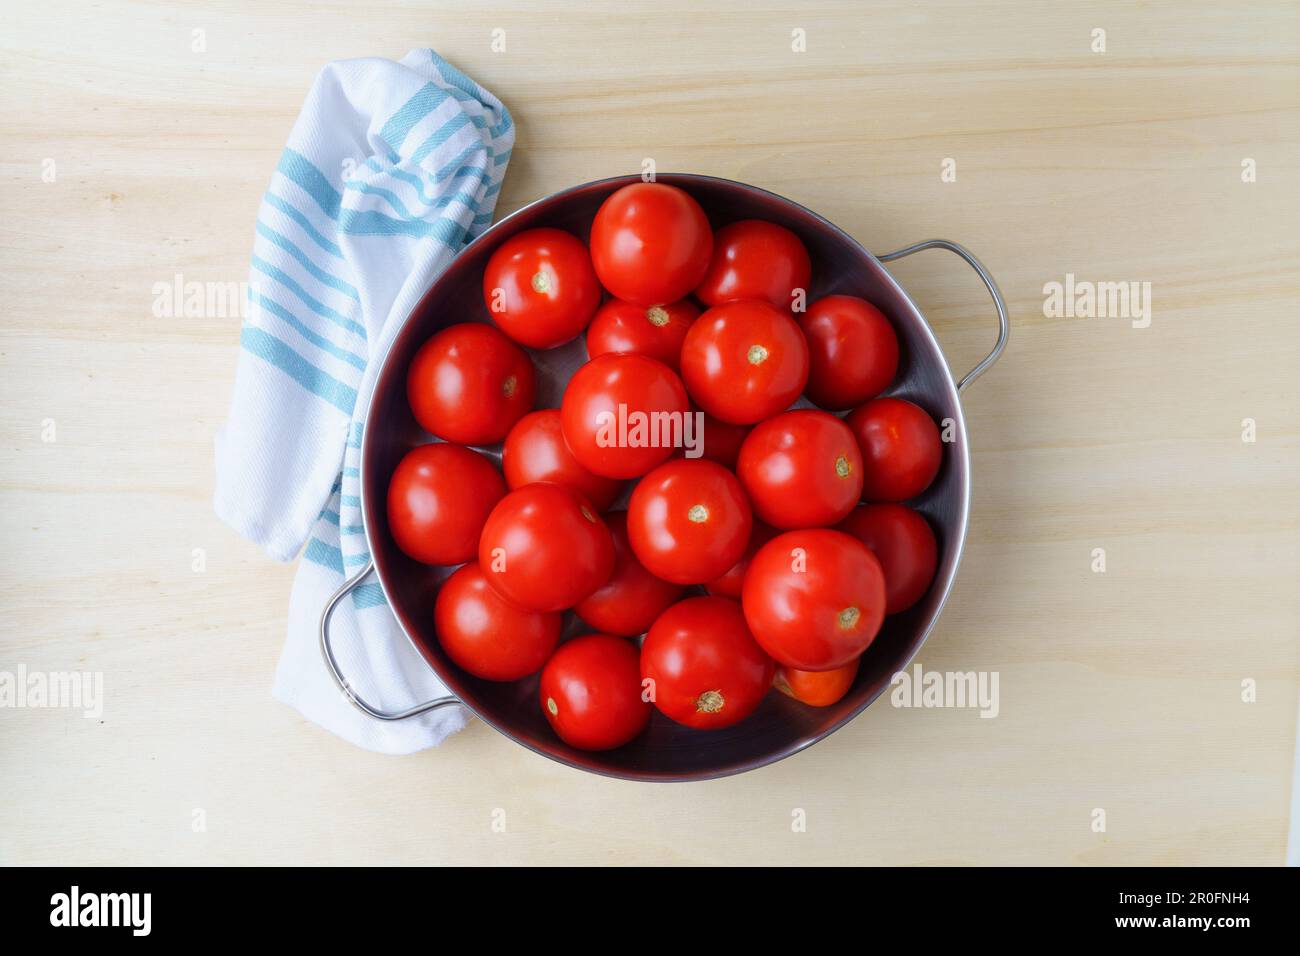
x=816, y=688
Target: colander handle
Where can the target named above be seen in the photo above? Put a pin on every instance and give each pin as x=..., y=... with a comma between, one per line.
x=328, y=653
x=1004, y=323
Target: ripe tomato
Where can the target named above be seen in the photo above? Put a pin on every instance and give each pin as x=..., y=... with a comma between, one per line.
x=650, y=243
x=852, y=349
x=612, y=414
x=730, y=583
x=591, y=692
x=817, y=688
x=721, y=441
x=540, y=288
x=628, y=603
x=901, y=450
x=486, y=635
x=753, y=259
x=903, y=542
x=689, y=520
x=544, y=549
x=657, y=331
x=706, y=668
x=469, y=384
x=802, y=469
x=535, y=451
x=438, y=499
x=814, y=599
x=744, y=361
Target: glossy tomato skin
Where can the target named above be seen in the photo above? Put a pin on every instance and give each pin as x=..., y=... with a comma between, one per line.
x=744, y=361
x=753, y=259
x=731, y=583
x=814, y=599
x=535, y=451
x=540, y=287
x=901, y=448
x=650, y=243
x=722, y=441
x=544, y=548
x=903, y=541
x=817, y=688
x=689, y=520
x=852, y=350
x=486, y=635
x=469, y=384
x=621, y=388
x=707, y=670
x=802, y=469
x=628, y=603
x=657, y=331
x=591, y=692
x=439, y=498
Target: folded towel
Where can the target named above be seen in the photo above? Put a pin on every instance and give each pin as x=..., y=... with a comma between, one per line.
x=390, y=170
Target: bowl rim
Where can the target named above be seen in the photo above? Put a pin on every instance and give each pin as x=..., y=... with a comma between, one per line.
x=742, y=766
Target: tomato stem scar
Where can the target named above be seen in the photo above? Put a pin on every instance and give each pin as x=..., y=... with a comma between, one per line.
x=710, y=702
x=657, y=316
x=550, y=705
x=849, y=617
x=509, y=385
x=842, y=466
x=698, y=514
x=541, y=282
x=757, y=355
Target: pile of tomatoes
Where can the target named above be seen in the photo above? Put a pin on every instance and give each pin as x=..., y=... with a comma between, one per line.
x=747, y=560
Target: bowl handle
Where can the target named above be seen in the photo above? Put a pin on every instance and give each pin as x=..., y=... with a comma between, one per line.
x=1004, y=323
x=328, y=653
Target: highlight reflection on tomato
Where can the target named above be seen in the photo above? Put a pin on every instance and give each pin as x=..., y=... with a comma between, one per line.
x=814, y=598
x=439, y=498
x=485, y=634
x=544, y=548
x=540, y=288
x=591, y=692
x=707, y=670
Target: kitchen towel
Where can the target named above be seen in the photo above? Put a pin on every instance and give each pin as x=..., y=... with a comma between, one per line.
x=390, y=170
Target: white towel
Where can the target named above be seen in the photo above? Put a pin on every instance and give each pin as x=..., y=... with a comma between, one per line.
x=390, y=169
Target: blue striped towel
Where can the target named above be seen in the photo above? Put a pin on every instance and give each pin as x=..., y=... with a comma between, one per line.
x=390, y=169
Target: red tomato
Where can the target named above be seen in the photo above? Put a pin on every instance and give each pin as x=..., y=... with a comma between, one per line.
x=730, y=583
x=540, y=287
x=612, y=414
x=706, y=668
x=469, y=384
x=591, y=692
x=486, y=635
x=535, y=451
x=628, y=603
x=802, y=469
x=544, y=548
x=901, y=450
x=744, y=361
x=753, y=259
x=657, y=331
x=438, y=499
x=650, y=243
x=721, y=442
x=814, y=599
x=817, y=688
x=904, y=543
x=689, y=520
x=852, y=350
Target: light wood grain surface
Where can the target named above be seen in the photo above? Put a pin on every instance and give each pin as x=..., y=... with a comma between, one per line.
x=1120, y=691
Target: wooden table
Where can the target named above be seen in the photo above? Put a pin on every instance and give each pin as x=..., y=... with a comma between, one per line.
x=1120, y=691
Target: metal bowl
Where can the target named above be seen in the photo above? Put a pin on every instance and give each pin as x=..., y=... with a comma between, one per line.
x=666, y=751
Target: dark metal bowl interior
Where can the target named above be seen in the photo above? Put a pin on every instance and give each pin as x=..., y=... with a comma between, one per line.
x=666, y=751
